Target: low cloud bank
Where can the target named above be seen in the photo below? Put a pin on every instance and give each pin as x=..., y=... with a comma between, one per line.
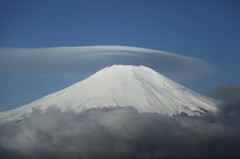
x=125, y=133
x=121, y=133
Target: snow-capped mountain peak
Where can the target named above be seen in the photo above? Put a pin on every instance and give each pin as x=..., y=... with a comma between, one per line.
x=120, y=86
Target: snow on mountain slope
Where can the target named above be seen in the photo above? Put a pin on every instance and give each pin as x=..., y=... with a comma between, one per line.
x=120, y=86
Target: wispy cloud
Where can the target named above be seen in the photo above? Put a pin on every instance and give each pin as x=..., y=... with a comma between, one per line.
x=230, y=97
x=92, y=58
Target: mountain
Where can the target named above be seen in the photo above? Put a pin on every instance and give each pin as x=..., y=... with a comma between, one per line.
x=120, y=86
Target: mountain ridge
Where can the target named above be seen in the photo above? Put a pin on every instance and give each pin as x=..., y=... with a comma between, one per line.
x=119, y=86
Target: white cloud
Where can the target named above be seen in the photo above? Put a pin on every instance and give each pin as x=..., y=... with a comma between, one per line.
x=92, y=58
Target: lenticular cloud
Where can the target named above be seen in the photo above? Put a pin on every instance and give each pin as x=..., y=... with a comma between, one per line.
x=92, y=58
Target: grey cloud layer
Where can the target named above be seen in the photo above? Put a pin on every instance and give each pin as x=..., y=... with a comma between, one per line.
x=121, y=133
x=92, y=58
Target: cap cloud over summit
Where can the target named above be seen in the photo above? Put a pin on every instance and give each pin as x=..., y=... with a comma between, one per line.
x=73, y=60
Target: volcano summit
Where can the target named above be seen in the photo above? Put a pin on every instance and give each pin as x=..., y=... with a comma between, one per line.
x=120, y=86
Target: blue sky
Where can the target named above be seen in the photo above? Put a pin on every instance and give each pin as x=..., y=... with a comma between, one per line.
x=204, y=29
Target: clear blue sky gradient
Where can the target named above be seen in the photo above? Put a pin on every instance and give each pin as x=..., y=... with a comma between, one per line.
x=205, y=29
